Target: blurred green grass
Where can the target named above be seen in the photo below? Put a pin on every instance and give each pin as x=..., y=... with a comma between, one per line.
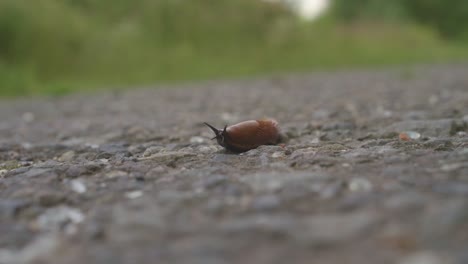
x=60, y=46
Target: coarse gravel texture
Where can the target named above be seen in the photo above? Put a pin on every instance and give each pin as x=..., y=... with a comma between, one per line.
x=133, y=177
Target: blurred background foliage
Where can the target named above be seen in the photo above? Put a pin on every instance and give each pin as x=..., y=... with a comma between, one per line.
x=57, y=46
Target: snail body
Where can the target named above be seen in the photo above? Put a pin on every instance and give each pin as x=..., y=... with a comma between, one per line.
x=247, y=135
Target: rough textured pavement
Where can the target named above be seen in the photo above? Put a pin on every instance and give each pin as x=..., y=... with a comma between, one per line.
x=132, y=177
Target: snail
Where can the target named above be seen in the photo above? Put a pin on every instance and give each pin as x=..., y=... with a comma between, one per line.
x=247, y=135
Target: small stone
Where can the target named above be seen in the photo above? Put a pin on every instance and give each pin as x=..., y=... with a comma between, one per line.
x=206, y=149
x=8, y=207
x=277, y=154
x=28, y=117
x=133, y=194
x=433, y=99
x=451, y=167
x=3, y=173
x=360, y=185
x=424, y=257
x=77, y=186
x=57, y=218
x=197, y=140
x=409, y=135
x=116, y=174
x=152, y=150
x=26, y=145
x=67, y=156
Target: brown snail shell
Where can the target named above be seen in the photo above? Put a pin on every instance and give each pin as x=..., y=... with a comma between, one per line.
x=247, y=135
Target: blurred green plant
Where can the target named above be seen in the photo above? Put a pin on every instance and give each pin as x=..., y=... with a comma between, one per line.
x=448, y=18
x=58, y=46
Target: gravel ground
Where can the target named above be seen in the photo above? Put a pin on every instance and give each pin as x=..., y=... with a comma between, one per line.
x=375, y=171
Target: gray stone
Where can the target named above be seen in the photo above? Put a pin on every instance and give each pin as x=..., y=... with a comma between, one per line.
x=59, y=218
x=67, y=156
x=10, y=207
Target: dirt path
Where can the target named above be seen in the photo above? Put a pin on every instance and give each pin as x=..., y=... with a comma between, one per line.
x=132, y=177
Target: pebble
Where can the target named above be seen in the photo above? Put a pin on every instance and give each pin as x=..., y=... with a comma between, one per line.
x=360, y=185
x=409, y=135
x=116, y=174
x=206, y=149
x=451, y=167
x=3, y=173
x=277, y=154
x=152, y=150
x=78, y=186
x=57, y=218
x=67, y=156
x=134, y=194
x=28, y=117
x=197, y=140
x=9, y=207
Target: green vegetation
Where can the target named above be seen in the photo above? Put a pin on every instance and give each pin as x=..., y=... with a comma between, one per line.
x=58, y=46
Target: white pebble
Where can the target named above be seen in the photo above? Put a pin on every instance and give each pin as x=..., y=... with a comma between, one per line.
x=28, y=117
x=116, y=174
x=78, y=186
x=277, y=154
x=360, y=185
x=197, y=140
x=134, y=194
